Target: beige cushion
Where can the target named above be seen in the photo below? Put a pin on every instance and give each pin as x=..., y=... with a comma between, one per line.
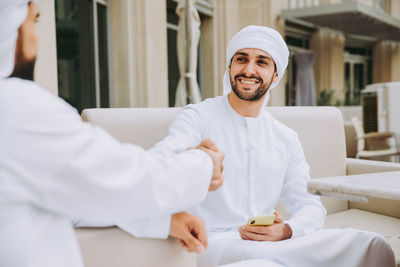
x=111, y=247
x=387, y=226
x=321, y=133
x=141, y=126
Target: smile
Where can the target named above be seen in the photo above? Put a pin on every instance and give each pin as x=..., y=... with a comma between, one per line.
x=248, y=81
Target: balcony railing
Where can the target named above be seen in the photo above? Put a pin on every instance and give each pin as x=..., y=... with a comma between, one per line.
x=294, y=4
x=367, y=18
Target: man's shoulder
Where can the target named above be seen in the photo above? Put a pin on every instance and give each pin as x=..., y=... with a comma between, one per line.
x=15, y=88
x=207, y=106
x=25, y=96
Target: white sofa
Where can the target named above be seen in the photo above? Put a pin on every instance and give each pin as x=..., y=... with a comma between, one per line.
x=321, y=132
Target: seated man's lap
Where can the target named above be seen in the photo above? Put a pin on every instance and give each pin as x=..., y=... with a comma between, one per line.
x=329, y=247
x=252, y=263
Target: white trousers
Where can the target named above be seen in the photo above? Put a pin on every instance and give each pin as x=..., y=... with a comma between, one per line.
x=252, y=263
x=327, y=248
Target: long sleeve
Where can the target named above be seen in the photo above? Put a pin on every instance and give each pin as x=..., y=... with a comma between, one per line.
x=182, y=134
x=308, y=214
x=50, y=158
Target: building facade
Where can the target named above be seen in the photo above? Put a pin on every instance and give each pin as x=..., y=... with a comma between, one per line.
x=122, y=53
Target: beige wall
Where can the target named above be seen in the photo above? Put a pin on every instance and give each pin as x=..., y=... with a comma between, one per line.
x=46, y=64
x=139, y=53
x=386, y=62
x=329, y=61
x=394, y=8
x=232, y=15
x=208, y=67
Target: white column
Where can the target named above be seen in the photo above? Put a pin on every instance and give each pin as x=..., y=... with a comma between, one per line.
x=139, y=53
x=46, y=64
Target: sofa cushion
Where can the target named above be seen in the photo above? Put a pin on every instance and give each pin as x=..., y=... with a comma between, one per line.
x=387, y=226
x=140, y=126
x=321, y=133
x=105, y=247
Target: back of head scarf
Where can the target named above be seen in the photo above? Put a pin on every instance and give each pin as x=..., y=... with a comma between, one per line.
x=263, y=38
x=12, y=14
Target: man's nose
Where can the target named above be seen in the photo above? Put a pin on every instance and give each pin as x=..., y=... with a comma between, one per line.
x=249, y=69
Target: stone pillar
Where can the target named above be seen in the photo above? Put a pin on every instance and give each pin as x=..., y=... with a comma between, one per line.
x=139, y=53
x=329, y=62
x=394, y=8
x=232, y=15
x=207, y=58
x=386, y=62
x=46, y=63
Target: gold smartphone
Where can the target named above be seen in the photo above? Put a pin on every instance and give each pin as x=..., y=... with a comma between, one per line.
x=264, y=220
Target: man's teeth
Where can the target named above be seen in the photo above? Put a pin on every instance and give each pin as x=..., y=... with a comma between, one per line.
x=248, y=82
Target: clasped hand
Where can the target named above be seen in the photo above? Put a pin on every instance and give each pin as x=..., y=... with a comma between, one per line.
x=276, y=232
x=188, y=229
x=217, y=157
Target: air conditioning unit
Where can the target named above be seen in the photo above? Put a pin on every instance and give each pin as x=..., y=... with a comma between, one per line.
x=381, y=107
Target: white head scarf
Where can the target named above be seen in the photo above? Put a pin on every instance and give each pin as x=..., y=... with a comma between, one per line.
x=12, y=14
x=263, y=38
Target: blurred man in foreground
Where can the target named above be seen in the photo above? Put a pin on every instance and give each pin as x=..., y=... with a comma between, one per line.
x=54, y=167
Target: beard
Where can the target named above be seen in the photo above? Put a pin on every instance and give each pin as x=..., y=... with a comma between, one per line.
x=24, y=69
x=250, y=96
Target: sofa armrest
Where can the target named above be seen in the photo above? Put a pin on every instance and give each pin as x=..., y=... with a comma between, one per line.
x=104, y=247
x=361, y=166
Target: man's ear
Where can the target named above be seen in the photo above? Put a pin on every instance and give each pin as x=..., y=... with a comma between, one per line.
x=275, y=78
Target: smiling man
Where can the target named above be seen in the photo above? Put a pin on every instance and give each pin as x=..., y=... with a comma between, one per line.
x=264, y=164
x=254, y=86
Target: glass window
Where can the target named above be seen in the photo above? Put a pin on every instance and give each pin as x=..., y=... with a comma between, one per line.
x=294, y=43
x=76, y=58
x=173, y=67
x=103, y=56
x=359, y=81
x=358, y=73
x=347, y=82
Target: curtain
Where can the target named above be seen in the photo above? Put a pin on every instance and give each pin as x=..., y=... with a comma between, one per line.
x=305, y=83
x=187, y=43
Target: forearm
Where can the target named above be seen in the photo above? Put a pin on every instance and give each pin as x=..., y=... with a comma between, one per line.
x=307, y=220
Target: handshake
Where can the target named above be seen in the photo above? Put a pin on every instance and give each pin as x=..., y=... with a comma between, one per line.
x=217, y=157
x=189, y=229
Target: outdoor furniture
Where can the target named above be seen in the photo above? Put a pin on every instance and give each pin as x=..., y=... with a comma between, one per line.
x=321, y=133
x=359, y=187
x=363, y=188
x=373, y=144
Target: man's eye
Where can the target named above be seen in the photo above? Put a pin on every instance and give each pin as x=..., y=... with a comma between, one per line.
x=262, y=62
x=239, y=59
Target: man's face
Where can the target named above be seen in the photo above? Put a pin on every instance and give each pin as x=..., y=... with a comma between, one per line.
x=27, y=46
x=251, y=73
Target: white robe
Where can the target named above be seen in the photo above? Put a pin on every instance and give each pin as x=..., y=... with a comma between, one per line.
x=265, y=163
x=54, y=167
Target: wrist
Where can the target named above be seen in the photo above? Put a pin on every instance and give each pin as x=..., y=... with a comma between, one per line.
x=287, y=231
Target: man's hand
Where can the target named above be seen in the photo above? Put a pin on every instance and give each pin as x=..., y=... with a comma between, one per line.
x=276, y=232
x=217, y=157
x=190, y=231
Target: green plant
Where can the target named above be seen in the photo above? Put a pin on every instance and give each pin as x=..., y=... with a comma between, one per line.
x=353, y=101
x=325, y=97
